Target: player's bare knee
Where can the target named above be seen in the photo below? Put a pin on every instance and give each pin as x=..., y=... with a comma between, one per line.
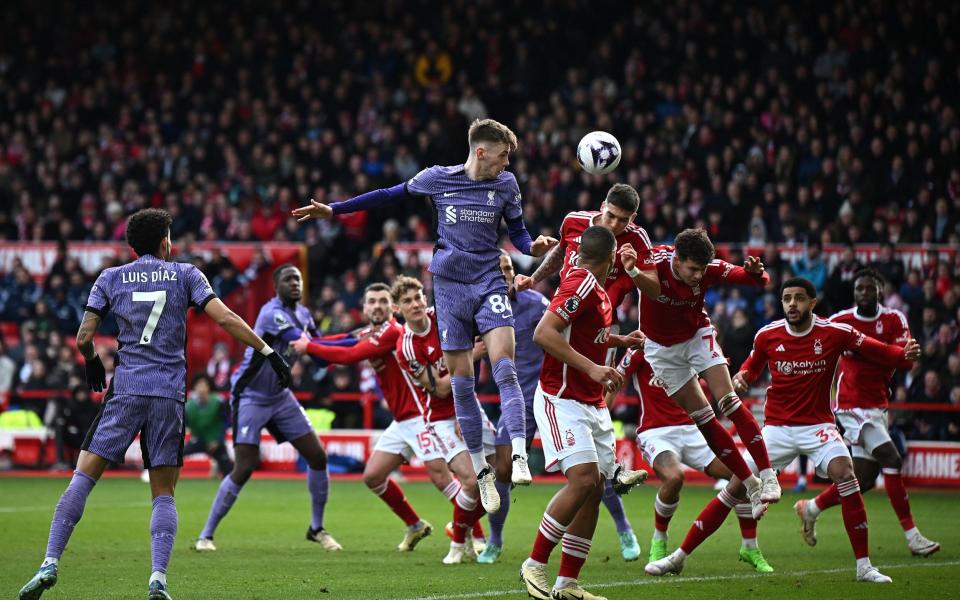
x=318, y=462
x=888, y=457
x=373, y=479
x=584, y=481
x=241, y=473
x=673, y=480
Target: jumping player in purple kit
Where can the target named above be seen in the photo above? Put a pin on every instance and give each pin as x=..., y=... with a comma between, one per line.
x=149, y=298
x=257, y=402
x=470, y=200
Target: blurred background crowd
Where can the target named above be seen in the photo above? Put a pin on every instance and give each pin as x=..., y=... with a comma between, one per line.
x=772, y=126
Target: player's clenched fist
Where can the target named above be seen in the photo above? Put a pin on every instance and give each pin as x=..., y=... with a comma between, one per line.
x=912, y=350
x=314, y=210
x=608, y=377
x=740, y=383
x=540, y=245
x=522, y=283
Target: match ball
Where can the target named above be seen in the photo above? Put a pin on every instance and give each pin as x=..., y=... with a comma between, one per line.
x=598, y=153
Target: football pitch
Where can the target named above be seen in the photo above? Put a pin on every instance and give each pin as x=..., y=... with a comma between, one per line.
x=262, y=552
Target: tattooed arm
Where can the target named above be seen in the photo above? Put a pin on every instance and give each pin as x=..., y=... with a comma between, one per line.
x=551, y=264
x=88, y=328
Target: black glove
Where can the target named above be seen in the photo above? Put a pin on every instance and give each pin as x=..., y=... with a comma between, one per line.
x=96, y=374
x=281, y=367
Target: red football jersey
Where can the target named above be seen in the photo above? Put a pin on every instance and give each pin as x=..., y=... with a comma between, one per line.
x=415, y=351
x=399, y=391
x=677, y=313
x=618, y=283
x=585, y=307
x=656, y=407
x=802, y=366
x=861, y=383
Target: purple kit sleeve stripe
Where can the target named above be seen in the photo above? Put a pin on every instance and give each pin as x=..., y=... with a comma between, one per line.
x=373, y=199
x=290, y=334
x=519, y=235
x=344, y=342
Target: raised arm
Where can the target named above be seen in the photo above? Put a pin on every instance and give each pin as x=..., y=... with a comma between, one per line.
x=646, y=281
x=751, y=273
x=550, y=265
x=374, y=199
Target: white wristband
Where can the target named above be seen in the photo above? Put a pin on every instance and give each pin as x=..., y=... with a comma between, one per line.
x=266, y=350
x=634, y=272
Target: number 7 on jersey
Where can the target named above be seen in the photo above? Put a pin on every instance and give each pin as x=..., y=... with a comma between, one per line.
x=159, y=300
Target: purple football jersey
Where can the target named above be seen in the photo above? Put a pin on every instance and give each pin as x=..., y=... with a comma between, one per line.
x=254, y=380
x=528, y=309
x=468, y=219
x=149, y=298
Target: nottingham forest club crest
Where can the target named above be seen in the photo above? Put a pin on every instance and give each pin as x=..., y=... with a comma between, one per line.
x=879, y=327
x=817, y=346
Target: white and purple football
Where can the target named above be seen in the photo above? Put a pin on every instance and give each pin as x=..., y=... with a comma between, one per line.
x=598, y=153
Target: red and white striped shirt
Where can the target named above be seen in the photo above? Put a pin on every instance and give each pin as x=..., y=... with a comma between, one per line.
x=618, y=283
x=677, y=313
x=418, y=351
x=585, y=307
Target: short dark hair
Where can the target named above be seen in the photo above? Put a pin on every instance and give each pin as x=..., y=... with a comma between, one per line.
x=624, y=196
x=872, y=274
x=596, y=243
x=278, y=272
x=146, y=229
x=376, y=287
x=695, y=245
x=800, y=282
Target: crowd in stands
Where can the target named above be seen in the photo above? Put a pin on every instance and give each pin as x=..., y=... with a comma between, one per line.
x=770, y=125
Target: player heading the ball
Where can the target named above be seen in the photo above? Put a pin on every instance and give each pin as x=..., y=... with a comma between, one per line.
x=470, y=292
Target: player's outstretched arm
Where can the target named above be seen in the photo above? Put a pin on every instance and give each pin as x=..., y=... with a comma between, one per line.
x=646, y=281
x=96, y=374
x=550, y=265
x=240, y=331
x=374, y=199
x=549, y=336
x=342, y=354
x=889, y=355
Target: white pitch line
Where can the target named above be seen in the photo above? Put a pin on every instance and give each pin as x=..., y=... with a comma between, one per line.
x=681, y=580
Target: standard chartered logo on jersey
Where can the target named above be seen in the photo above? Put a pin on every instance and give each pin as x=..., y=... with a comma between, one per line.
x=468, y=215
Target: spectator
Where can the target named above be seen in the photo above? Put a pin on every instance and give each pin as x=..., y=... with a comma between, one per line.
x=838, y=291
x=219, y=368
x=8, y=369
x=812, y=266
x=206, y=414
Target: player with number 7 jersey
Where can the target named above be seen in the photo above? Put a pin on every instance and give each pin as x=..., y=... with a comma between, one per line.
x=150, y=298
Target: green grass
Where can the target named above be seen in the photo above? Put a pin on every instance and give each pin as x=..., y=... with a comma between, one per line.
x=262, y=552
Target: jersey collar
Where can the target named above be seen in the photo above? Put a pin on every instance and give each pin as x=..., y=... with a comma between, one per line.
x=857, y=316
x=813, y=320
